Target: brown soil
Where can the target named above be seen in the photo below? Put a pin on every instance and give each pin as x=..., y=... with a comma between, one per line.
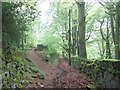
x=61, y=75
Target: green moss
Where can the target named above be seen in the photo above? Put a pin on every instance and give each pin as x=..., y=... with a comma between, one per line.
x=10, y=79
x=91, y=87
x=111, y=70
x=96, y=68
x=6, y=86
x=14, y=64
x=112, y=60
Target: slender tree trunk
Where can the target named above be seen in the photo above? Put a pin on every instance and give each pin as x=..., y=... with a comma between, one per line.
x=75, y=42
x=112, y=28
x=22, y=43
x=63, y=54
x=81, y=30
x=78, y=44
x=63, y=39
x=74, y=39
x=103, y=49
x=108, y=51
x=25, y=39
x=69, y=41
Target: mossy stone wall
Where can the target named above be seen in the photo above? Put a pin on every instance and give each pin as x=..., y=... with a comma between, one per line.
x=104, y=72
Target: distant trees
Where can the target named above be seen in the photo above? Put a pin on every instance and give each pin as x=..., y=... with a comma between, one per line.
x=114, y=14
x=72, y=38
x=87, y=33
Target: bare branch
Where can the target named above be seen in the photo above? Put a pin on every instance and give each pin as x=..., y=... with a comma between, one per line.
x=88, y=36
x=101, y=23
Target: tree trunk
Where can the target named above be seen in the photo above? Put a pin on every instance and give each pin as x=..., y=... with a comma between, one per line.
x=74, y=39
x=78, y=44
x=69, y=41
x=81, y=30
x=108, y=50
x=112, y=28
x=23, y=44
x=117, y=48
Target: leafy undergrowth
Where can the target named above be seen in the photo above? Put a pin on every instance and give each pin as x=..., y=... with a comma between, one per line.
x=49, y=57
x=38, y=72
x=32, y=69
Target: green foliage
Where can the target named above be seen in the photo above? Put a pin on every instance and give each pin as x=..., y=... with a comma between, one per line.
x=28, y=70
x=34, y=69
x=13, y=66
x=34, y=76
x=39, y=73
x=50, y=56
x=29, y=59
x=53, y=41
x=16, y=21
x=32, y=64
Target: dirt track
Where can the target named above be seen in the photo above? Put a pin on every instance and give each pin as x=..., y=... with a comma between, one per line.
x=61, y=75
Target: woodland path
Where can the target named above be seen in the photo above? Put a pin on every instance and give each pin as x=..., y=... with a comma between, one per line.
x=61, y=75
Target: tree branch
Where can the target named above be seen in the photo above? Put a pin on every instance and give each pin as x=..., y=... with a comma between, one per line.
x=101, y=23
x=88, y=36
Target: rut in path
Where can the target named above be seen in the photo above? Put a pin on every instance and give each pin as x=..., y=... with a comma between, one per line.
x=61, y=75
